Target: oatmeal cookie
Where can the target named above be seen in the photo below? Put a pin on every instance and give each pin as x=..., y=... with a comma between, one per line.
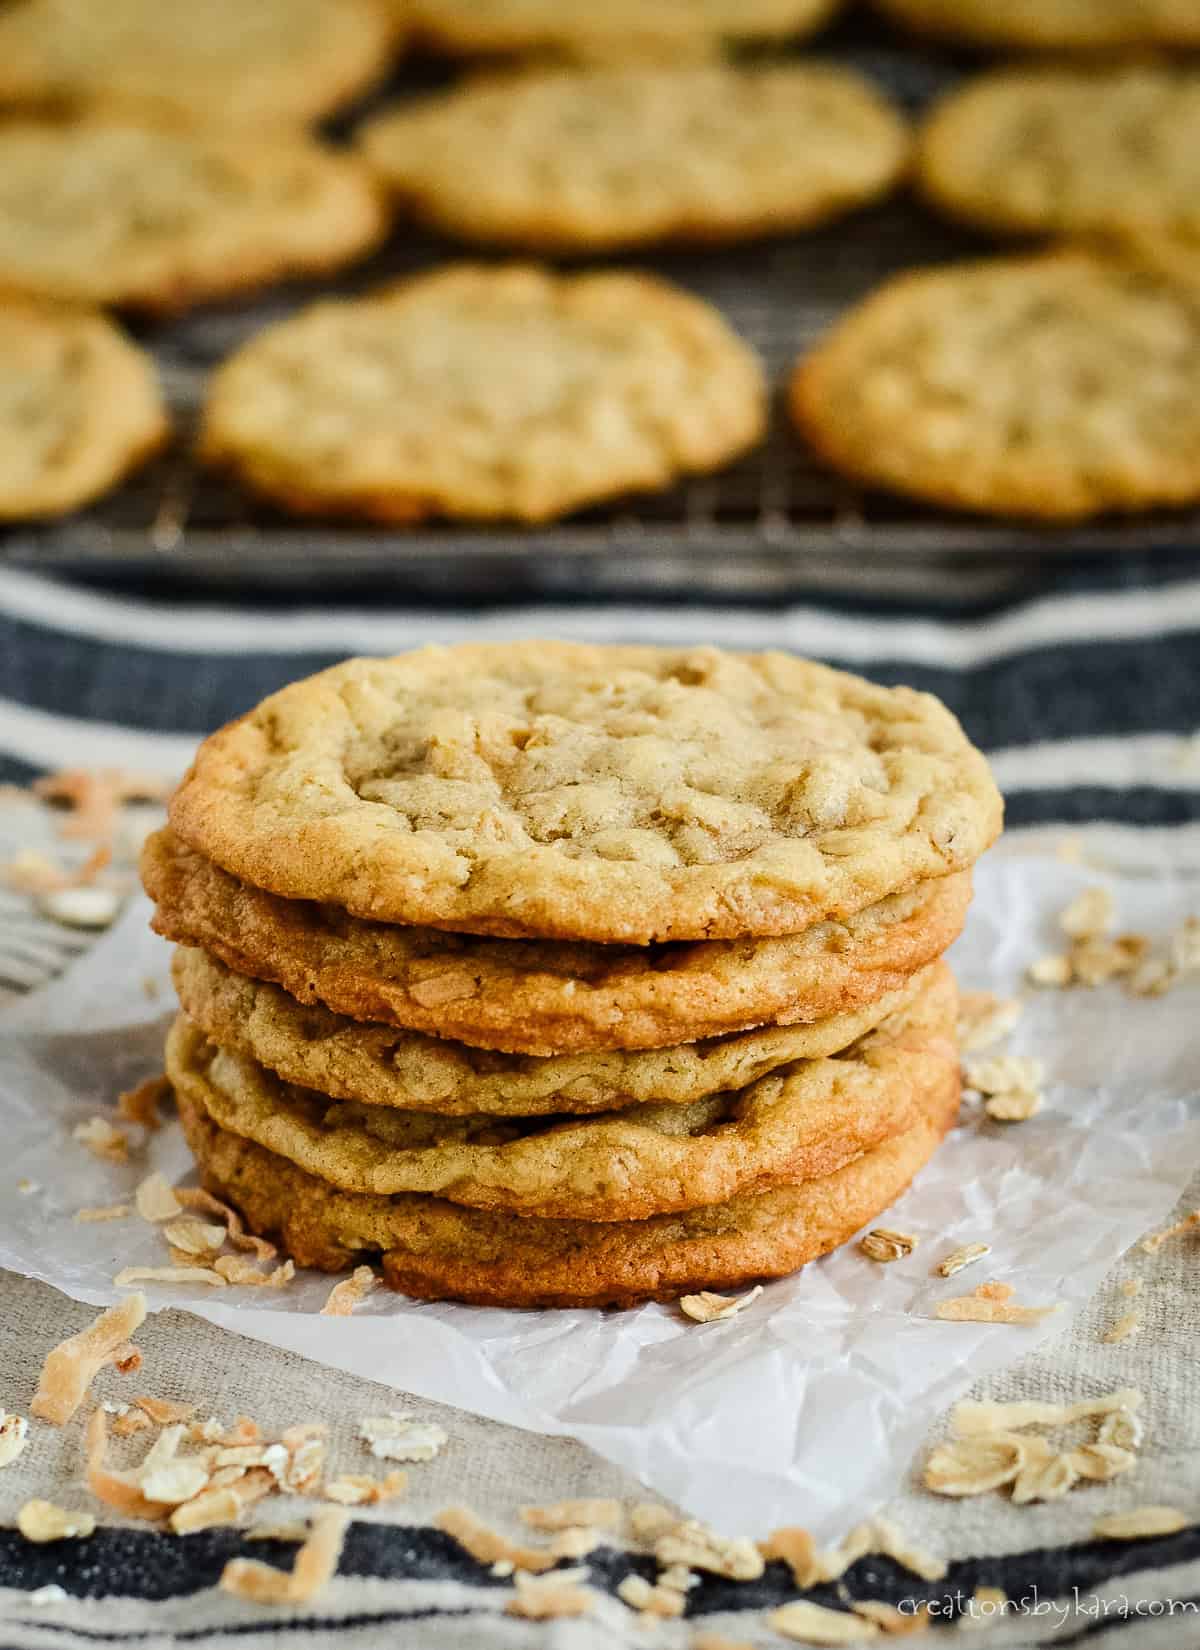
x=803, y=1121
x=220, y=63
x=80, y=407
x=1069, y=151
x=617, y=794
x=107, y=212
x=1052, y=24
x=547, y=997
x=437, y=1250
x=624, y=28
x=627, y=156
x=377, y=1065
x=485, y=393
x=1058, y=386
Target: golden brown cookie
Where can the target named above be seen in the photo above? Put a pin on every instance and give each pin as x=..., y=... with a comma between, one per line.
x=437, y=1250
x=546, y=997
x=485, y=393
x=1069, y=151
x=377, y=1065
x=623, y=28
x=623, y=157
x=803, y=1121
x=80, y=407
x=1052, y=24
x=625, y=794
x=216, y=63
x=107, y=212
x=1058, y=386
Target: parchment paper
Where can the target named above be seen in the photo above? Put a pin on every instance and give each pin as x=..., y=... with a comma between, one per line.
x=805, y=1408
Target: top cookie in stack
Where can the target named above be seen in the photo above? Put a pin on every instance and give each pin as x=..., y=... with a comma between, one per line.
x=567, y=974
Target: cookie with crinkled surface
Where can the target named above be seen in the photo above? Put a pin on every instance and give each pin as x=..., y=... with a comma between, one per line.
x=1052, y=24
x=219, y=63
x=803, y=1121
x=80, y=407
x=437, y=1250
x=626, y=156
x=603, y=793
x=351, y=1060
x=485, y=393
x=106, y=212
x=624, y=28
x=1058, y=387
x=1069, y=151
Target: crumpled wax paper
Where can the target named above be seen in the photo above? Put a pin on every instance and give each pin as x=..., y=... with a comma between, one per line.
x=806, y=1407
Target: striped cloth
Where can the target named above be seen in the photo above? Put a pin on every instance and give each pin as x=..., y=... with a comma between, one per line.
x=1086, y=695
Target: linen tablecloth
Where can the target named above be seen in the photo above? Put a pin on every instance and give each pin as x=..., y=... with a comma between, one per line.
x=1084, y=688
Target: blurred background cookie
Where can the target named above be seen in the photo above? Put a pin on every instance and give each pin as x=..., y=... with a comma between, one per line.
x=1051, y=24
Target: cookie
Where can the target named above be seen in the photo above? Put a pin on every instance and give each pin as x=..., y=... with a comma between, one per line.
x=218, y=64
x=1069, y=151
x=1055, y=387
x=80, y=407
x=1052, y=24
x=485, y=393
x=545, y=997
x=348, y=1060
x=111, y=213
x=803, y=1121
x=626, y=28
x=437, y=1250
x=623, y=157
x=625, y=794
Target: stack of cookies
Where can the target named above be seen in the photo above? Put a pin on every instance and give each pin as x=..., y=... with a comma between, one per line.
x=569, y=975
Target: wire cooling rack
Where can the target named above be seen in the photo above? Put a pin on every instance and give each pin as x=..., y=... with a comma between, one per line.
x=775, y=518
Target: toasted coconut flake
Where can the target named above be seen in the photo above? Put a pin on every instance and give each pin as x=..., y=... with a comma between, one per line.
x=156, y=1200
x=295, y=1529
x=592, y=1514
x=1045, y=1475
x=1014, y=1107
x=70, y=1368
x=236, y=1269
x=1132, y=1287
x=1052, y=972
x=132, y=1275
x=163, y=1477
x=197, y=1199
x=967, y=1255
x=358, y=1489
x=649, y=1599
x=316, y=1563
x=1125, y=1326
x=707, y=1307
x=194, y=1237
x=140, y=1104
x=80, y=907
x=165, y=1413
x=1005, y=1074
x=347, y=1294
x=1094, y=962
x=131, y=1422
x=398, y=1436
x=1102, y=1461
x=984, y=1019
x=884, y=1245
x=693, y=1544
x=549, y=1598
x=814, y=1624
x=14, y=1435
x=102, y=1139
x=305, y=1446
x=835, y=1561
x=994, y=1291
x=706, y=1639
x=890, y=1620
x=42, y=1521
x=486, y=1546
x=972, y=1466
x=1140, y=1524
x=984, y=1309
x=209, y=1510
x=30, y=872
x=1152, y=1244
x=798, y=1550
x=110, y=1211
x=972, y=1417
x=1122, y=1428
x=243, y=1431
x=1154, y=978
x=649, y=1519
x=1090, y=913
x=118, y=1490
